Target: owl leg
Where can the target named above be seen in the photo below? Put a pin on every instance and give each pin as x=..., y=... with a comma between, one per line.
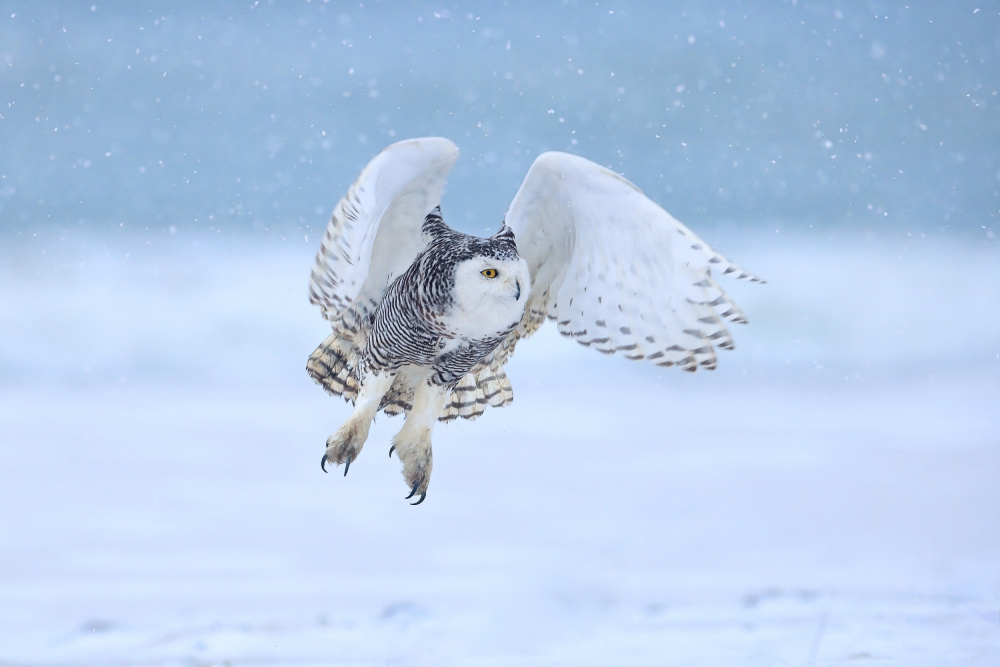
x=345, y=445
x=413, y=442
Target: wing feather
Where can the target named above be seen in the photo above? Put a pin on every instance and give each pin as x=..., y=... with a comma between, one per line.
x=617, y=272
x=375, y=230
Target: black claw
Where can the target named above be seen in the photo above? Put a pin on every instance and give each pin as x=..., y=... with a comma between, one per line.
x=391, y=449
x=413, y=491
x=322, y=464
x=347, y=466
x=422, y=496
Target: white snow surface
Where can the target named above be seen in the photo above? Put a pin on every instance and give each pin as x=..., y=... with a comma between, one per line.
x=829, y=496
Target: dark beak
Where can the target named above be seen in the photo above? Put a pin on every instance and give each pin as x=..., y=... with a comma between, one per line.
x=517, y=292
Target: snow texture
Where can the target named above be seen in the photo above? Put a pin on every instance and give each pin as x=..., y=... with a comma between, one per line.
x=830, y=495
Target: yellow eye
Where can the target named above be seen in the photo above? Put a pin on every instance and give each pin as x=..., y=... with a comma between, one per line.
x=489, y=273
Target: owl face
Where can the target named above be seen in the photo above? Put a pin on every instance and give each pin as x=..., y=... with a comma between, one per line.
x=492, y=291
x=487, y=279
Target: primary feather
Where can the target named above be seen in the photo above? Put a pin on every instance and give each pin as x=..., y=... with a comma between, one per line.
x=616, y=271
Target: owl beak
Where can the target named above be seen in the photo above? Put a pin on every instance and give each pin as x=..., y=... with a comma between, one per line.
x=517, y=290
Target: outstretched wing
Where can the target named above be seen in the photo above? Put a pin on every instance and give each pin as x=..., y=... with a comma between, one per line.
x=374, y=232
x=616, y=271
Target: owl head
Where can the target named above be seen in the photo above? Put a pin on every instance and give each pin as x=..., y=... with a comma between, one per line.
x=494, y=271
x=487, y=281
x=492, y=281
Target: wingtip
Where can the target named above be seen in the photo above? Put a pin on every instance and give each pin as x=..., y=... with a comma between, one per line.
x=446, y=147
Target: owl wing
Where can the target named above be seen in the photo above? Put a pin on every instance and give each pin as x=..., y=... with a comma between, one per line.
x=374, y=232
x=615, y=271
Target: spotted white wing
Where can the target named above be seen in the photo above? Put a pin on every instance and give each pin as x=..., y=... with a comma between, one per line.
x=616, y=271
x=374, y=232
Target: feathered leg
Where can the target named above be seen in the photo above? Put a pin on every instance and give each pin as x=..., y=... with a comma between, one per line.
x=413, y=442
x=345, y=445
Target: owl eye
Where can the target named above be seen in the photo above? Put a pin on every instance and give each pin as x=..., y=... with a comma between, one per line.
x=489, y=273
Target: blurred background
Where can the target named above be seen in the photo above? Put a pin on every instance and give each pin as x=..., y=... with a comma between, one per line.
x=167, y=171
x=249, y=117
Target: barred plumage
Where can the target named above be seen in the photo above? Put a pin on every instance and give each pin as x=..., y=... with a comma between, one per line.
x=409, y=326
x=424, y=317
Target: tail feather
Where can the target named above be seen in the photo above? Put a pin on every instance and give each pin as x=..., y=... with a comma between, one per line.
x=482, y=386
x=332, y=366
x=333, y=363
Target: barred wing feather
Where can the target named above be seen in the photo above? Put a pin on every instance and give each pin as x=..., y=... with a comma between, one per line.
x=374, y=232
x=616, y=271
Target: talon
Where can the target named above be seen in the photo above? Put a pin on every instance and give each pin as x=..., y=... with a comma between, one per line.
x=347, y=466
x=413, y=491
x=391, y=449
x=422, y=496
x=322, y=464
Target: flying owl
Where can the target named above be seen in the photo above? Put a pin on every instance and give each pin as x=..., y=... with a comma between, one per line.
x=424, y=317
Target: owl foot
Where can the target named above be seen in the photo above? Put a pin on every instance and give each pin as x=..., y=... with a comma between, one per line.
x=417, y=464
x=345, y=445
x=413, y=491
x=322, y=464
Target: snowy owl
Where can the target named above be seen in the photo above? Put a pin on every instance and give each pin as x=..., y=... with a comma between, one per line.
x=424, y=317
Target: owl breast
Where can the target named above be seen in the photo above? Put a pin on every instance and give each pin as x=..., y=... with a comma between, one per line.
x=486, y=321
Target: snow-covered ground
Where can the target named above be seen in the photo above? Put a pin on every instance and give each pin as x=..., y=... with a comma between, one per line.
x=829, y=496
